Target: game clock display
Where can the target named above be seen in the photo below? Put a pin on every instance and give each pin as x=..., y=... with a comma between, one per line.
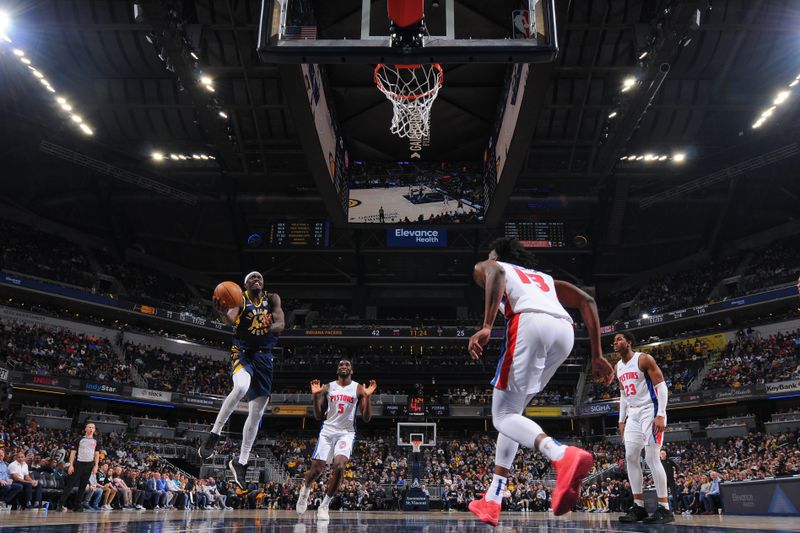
x=416, y=406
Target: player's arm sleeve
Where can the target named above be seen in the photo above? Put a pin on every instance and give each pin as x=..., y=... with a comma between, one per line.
x=623, y=406
x=662, y=396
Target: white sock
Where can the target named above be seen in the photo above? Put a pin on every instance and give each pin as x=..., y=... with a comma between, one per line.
x=326, y=501
x=304, y=490
x=495, y=491
x=640, y=503
x=552, y=449
x=665, y=505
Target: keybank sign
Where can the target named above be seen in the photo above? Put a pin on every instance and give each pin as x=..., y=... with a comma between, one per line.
x=416, y=238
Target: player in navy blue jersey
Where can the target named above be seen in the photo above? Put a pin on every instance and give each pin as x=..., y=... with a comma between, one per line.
x=257, y=324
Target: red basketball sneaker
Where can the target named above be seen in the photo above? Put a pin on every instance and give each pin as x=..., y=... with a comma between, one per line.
x=570, y=471
x=486, y=511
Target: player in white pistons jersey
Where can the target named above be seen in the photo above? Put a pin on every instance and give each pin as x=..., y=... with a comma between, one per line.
x=539, y=337
x=642, y=420
x=338, y=432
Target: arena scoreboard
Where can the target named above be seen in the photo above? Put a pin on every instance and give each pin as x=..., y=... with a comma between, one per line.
x=537, y=234
x=299, y=234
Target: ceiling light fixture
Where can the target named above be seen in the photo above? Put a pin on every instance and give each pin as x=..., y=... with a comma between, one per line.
x=5, y=24
x=628, y=83
x=86, y=129
x=782, y=97
x=223, y=114
x=18, y=52
x=157, y=156
x=679, y=157
x=612, y=114
x=194, y=56
x=642, y=55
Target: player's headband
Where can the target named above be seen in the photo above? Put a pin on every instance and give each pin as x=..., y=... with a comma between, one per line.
x=253, y=273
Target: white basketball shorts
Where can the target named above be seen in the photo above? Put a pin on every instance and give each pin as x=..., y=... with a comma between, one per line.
x=639, y=427
x=535, y=345
x=333, y=443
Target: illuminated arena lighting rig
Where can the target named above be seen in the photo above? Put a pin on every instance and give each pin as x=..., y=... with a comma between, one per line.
x=61, y=101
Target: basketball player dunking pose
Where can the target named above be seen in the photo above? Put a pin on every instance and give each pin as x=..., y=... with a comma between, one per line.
x=539, y=337
x=257, y=324
x=642, y=419
x=338, y=431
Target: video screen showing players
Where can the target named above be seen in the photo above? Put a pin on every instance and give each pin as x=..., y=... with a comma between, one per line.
x=384, y=192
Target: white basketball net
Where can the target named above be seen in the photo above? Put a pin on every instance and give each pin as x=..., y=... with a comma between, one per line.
x=411, y=89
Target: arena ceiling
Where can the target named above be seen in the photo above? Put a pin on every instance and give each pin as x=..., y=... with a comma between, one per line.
x=722, y=76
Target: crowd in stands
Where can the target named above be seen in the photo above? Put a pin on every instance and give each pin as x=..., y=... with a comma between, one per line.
x=54, y=351
x=186, y=373
x=460, y=466
x=126, y=467
x=680, y=363
x=749, y=360
x=775, y=264
x=552, y=395
x=44, y=255
x=132, y=476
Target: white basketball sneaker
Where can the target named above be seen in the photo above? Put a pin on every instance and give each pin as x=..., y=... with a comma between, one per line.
x=322, y=513
x=302, y=500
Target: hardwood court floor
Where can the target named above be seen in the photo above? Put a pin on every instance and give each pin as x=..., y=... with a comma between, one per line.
x=375, y=522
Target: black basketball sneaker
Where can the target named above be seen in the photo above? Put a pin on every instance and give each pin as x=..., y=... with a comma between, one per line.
x=206, y=450
x=635, y=514
x=661, y=516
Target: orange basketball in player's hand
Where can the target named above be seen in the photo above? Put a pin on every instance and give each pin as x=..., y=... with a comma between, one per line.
x=229, y=294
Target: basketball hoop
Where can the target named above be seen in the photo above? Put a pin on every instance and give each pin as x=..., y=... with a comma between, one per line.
x=416, y=445
x=411, y=89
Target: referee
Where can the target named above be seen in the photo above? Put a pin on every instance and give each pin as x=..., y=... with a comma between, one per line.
x=83, y=461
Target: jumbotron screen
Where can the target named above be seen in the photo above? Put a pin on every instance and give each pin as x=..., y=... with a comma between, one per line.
x=299, y=234
x=537, y=234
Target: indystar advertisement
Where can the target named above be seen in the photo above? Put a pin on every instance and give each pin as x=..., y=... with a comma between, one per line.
x=416, y=238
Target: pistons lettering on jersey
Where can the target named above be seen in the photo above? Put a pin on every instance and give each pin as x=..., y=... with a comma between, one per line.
x=342, y=398
x=629, y=388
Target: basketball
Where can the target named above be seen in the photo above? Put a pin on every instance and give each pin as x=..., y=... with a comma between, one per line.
x=229, y=293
